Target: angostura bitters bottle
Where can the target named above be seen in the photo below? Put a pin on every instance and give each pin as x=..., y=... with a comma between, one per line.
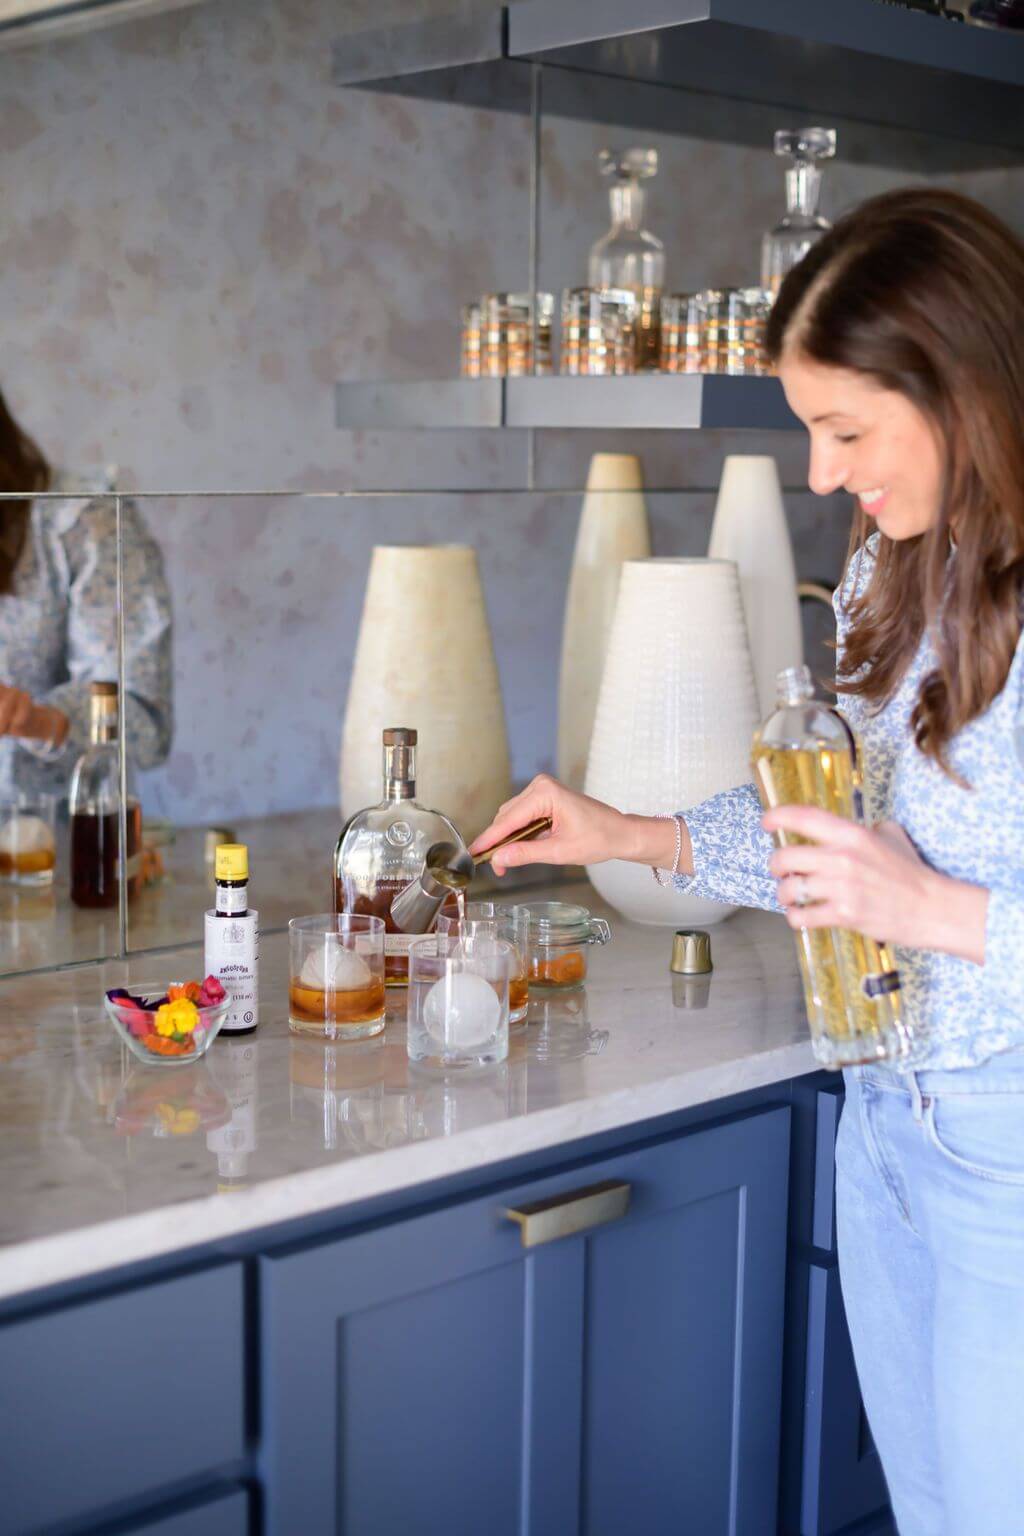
x=382, y=849
x=806, y=754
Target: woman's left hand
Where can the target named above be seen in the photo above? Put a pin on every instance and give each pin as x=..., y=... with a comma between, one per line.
x=872, y=880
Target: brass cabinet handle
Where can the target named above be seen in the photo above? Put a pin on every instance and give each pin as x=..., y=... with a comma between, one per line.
x=560, y=1216
x=816, y=591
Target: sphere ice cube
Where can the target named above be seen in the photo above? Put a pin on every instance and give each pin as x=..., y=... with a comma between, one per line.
x=25, y=834
x=461, y=1012
x=332, y=967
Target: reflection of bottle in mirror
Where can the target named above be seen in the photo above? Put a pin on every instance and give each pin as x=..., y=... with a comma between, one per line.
x=792, y=237
x=806, y=754
x=94, y=805
x=629, y=257
x=232, y=940
x=233, y=1064
x=384, y=848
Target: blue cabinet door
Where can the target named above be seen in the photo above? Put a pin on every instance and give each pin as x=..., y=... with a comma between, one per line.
x=435, y=1375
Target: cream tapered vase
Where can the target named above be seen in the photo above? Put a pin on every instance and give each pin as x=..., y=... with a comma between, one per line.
x=750, y=528
x=675, y=716
x=425, y=659
x=612, y=528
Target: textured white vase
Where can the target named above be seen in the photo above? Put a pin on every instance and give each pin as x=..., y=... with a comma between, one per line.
x=613, y=528
x=750, y=528
x=424, y=658
x=675, y=715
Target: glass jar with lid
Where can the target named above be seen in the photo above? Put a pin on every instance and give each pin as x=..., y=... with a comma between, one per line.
x=557, y=940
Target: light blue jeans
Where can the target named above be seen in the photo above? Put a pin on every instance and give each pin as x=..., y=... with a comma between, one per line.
x=930, y=1213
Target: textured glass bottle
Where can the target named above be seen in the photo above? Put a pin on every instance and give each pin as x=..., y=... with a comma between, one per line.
x=629, y=256
x=802, y=224
x=383, y=848
x=806, y=754
x=94, y=803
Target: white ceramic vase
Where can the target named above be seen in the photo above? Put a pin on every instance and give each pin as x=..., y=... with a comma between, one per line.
x=424, y=658
x=612, y=528
x=750, y=528
x=675, y=716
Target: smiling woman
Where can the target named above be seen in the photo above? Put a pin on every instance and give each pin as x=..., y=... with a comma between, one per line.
x=900, y=341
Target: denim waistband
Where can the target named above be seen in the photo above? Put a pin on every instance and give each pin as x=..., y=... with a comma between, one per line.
x=1000, y=1074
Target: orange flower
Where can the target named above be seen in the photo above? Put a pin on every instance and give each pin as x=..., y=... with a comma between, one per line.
x=187, y=989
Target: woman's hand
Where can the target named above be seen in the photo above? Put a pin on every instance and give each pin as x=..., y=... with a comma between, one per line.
x=583, y=831
x=21, y=716
x=874, y=881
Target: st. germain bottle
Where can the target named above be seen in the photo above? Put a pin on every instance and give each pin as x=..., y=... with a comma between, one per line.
x=94, y=805
x=806, y=754
x=382, y=849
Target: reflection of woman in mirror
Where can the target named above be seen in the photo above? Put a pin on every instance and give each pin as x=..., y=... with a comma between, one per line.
x=58, y=620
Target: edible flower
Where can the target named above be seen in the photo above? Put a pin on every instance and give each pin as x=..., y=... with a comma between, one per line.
x=188, y=989
x=211, y=993
x=179, y=1017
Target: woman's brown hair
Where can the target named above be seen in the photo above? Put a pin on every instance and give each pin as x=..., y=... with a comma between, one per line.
x=923, y=290
x=22, y=468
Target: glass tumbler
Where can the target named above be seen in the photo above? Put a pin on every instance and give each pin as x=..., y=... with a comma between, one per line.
x=336, y=975
x=598, y=331
x=469, y=362
x=458, y=1000
x=745, y=325
x=28, y=840
x=506, y=334
x=682, y=333
x=498, y=921
x=714, y=305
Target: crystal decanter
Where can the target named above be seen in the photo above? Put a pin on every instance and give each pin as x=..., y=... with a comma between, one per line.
x=629, y=257
x=802, y=224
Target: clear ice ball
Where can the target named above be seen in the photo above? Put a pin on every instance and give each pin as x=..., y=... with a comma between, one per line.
x=461, y=1012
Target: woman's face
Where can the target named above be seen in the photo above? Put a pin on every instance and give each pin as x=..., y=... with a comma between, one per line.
x=870, y=441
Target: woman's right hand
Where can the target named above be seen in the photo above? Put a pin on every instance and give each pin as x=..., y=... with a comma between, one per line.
x=583, y=831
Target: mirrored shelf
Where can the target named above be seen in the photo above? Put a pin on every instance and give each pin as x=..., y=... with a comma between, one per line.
x=638, y=401
x=905, y=88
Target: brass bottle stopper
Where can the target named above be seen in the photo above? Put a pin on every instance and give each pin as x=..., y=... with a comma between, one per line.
x=691, y=952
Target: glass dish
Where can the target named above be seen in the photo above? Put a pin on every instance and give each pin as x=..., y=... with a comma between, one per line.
x=137, y=1024
x=559, y=936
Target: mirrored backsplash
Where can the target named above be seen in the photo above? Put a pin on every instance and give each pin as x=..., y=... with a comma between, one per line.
x=234, y=647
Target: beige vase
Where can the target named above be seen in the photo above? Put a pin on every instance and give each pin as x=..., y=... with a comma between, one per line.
x=424, y=658
x=612, y=528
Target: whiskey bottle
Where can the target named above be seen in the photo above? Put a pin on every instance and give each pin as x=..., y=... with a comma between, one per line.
x=806, y=754
x=382, y=849
x=94, y=806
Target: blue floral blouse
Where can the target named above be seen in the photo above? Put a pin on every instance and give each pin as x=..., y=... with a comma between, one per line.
x=58, y=631
x=962, y=1013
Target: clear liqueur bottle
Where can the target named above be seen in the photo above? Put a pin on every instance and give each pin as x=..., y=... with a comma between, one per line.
x=629, y=257
x=801, y=224
x=806, y=754
x=94, y=807
x=384, y=848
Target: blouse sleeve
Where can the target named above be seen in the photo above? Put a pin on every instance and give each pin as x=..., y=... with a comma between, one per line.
x=90, y=557
x=730, y=848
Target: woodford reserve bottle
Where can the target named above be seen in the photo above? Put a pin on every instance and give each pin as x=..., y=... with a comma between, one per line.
x=94, y=804
x=382, y=849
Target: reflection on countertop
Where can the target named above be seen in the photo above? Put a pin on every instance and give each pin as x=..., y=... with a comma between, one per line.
x=97, y=1151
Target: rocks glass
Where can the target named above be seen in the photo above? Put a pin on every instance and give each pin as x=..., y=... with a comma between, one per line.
x=336, y=975
x=682, y=333
x=745, y=324
x=458, y=1000
x=28, y=842
x=499, y=921
x=497, y=336
x=598, y=331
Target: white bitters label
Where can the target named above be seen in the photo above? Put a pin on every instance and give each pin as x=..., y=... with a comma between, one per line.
x=233, y=956
x=232, y=899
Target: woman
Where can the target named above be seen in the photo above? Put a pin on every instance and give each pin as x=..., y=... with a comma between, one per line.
x=899, y=340
x=58, y=620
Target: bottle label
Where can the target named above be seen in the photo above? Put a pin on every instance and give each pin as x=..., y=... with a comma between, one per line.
x=232, y=899
x=232, y=955
x=881, y=984
x=132, y=866
x=400, y=943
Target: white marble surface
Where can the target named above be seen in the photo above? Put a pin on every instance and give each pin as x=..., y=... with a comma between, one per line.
x=104, y=1161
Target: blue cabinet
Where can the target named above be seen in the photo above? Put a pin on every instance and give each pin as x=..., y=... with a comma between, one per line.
x=226, y=1514
x=434, y=1374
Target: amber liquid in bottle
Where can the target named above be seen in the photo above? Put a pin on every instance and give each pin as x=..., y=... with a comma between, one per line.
x=94, y=855
x=396, y=965
x=851, y=986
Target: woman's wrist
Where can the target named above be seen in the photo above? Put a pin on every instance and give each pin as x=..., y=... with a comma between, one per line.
x=957, y=913
x=48, y=725
x=652, y=840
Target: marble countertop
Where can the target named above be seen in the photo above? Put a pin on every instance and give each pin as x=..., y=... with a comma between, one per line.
x=105, y=1161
